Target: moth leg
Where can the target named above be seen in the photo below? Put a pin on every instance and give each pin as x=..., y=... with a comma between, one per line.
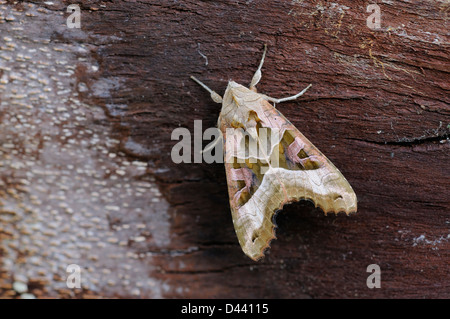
x=213, y=144
x=216, y=97
x=289, y=98
x=257, y=75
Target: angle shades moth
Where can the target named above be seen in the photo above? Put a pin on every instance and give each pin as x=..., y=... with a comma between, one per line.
x=257, y=187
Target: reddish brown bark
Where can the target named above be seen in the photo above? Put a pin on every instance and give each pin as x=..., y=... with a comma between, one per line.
x=86, y=119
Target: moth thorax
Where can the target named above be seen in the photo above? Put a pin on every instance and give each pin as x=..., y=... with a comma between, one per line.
x=237, y=100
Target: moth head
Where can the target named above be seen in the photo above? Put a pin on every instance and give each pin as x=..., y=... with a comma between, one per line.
x=236, y=95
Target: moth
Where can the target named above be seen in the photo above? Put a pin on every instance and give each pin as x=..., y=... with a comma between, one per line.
x=257, y=187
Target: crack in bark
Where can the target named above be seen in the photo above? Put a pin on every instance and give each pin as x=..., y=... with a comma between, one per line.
x=404, y=141
x=206, y=271
x=334, y=97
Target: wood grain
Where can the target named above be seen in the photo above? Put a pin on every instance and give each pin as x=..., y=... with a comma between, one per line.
x=85, y=138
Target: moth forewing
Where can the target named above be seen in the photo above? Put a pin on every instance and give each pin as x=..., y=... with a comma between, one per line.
x=302, y=173
x=269, y=141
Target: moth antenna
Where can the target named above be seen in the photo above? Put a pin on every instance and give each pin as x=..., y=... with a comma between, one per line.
x=216, y=97
x=257, y=77
x=289, y=98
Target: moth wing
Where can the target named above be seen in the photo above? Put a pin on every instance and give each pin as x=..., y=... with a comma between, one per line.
x=257, y=190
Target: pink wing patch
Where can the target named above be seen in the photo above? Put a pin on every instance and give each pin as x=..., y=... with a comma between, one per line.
x=294, y=148
x=241, y=174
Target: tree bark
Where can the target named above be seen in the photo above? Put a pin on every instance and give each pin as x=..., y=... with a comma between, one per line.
x=86, y=176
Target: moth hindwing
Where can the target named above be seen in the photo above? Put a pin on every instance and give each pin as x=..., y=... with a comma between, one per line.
x=269, y=163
